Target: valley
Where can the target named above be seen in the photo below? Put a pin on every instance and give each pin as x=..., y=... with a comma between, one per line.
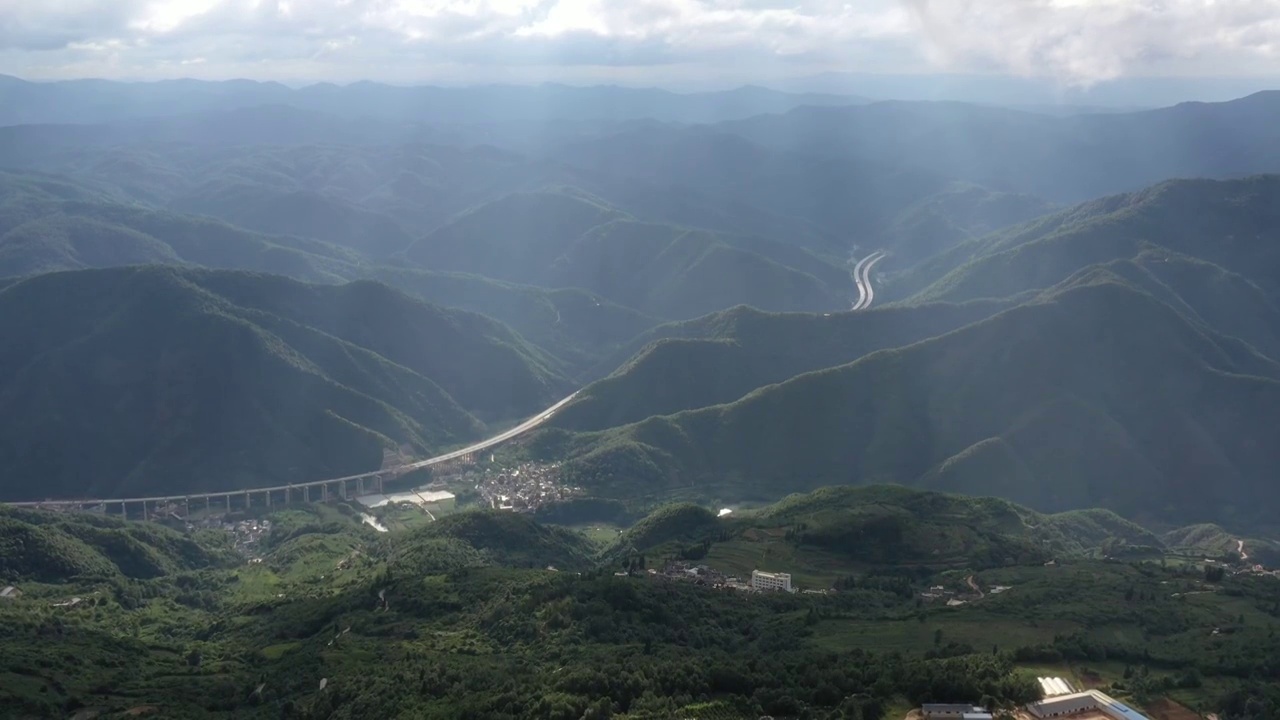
x=602, y=401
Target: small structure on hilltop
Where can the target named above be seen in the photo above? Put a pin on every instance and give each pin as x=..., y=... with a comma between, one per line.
x=770, y=581
x=10, y=593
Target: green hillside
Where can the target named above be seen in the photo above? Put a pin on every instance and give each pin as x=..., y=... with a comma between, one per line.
x=567, y=238
x=578, y=327
x=370, y=198
x=151, y=380
x=1231, y=224
x=680, y=273
x=959, y=213
x=1096, y=395
x=47, y=226
x=49, y=223
x=677, y=522
x=47, y=547
x=459, y=627
x=510, y=539
x=301, y=213
x=719, y=358
x=514, y=238
x=835, y=531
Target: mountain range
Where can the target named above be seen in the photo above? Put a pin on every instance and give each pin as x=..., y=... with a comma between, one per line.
x=135, y=381
x=1065, y=159
x=229, y=285
x=96, y=101
x=1108, y=387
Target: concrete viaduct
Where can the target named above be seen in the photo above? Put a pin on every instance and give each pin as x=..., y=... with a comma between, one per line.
x=343, y=488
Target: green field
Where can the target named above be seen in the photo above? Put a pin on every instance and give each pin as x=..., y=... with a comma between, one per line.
x=602, y=534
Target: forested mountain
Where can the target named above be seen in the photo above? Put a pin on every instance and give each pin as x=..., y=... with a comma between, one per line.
x=584, y=230
x=576, y=326
x=1232, y=224
x=1067, y=159
x=889, y=526
x=719, y=358
x=150, y=380
x=568, y=238
x=42, y=547
x=95, y=101
x=372, y=197
x=49, y=224
x=284, y=170
x=1095, y=394
x=834, y=202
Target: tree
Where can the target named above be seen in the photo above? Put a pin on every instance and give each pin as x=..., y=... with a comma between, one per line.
x=937, y=637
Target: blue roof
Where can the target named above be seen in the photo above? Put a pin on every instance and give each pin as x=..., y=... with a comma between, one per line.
x=1128, y=712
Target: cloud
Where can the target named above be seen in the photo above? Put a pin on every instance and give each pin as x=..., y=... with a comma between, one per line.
x=1079, y=41
x=1082, y=42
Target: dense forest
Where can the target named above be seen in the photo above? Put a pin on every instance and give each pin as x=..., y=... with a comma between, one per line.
x=461, y=619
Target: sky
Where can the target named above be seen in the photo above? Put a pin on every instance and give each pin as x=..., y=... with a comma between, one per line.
x=1076, y=43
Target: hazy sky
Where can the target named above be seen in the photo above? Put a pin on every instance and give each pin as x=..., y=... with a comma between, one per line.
x=1074, y=41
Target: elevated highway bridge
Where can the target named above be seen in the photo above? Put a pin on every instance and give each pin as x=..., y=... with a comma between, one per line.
x=351, y=486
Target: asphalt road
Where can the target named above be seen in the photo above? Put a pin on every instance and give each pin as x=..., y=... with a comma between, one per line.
x=523, y=427
x=862, y=277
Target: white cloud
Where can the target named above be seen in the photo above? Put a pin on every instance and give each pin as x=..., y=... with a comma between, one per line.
x=1078, y=41
x=1085, y=41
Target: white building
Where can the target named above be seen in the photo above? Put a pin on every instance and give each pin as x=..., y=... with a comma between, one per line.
x=1087, y=701
x=770, y=581
x=1054, y=686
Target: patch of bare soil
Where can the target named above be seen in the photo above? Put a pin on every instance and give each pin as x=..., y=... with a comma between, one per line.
x=1166, y=709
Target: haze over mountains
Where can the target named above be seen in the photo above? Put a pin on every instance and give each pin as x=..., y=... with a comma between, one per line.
x=241, y=284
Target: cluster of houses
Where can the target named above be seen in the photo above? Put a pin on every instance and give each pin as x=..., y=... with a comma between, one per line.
x=523, y=488
x=247, y=535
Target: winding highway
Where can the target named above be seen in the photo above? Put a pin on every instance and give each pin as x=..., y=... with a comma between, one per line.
x=862, y=277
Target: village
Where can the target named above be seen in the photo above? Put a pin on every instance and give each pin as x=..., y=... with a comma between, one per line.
x=522, y=488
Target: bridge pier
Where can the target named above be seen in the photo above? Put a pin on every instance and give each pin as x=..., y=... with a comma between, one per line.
x=268, y=498
x=359, y=487
x=306, y=493
x=124, y=510
x=144, y=510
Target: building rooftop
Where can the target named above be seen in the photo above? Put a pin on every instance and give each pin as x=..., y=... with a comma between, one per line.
x=1089, y=699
